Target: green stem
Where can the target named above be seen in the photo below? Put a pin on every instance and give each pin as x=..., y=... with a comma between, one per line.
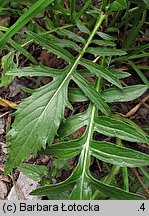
x=125, y=171
x=125, y=177
x=73, y=3
x=144, y=172
x=115, y=169
x=85, y=155
x=112, y=174
x=108, y=179
x=97, y=25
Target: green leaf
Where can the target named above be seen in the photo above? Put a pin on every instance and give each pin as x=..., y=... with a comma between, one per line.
x=105, y=51
x=67, y=44
x=119, y=74
x=115, y=128
x=37, y=120
x=38, y=117
x=23, y=51
x=76, y=95
x=118, y=5
x=81, y=180
x=130, y=122
x=110, y=153
x=25, y=18
x=34, y=172
x=64, y=150
x=53, y=190
x=57, y=166
x=100, y=71
x=93, y=95
x=143, y=3
x=114, y=192
x=82, y=189
x=82, y=27
x=50, y=47
x=104, y=43
x=71, y=35
x=7, y=64
x=122, y=95
x=64, y=43
x=36, y=71
x=106, y=36
x=73, y=123
x=140, y=74
x=3, y=3
x=147, y=3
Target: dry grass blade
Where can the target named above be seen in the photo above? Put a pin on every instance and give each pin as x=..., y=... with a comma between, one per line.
x=134, y=110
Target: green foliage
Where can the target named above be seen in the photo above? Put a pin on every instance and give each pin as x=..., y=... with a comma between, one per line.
x=25, y=18
x=39, y=119
x=33, y=171
x=7, y=63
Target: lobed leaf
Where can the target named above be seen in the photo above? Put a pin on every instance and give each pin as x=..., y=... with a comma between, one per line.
x=93, y=95
x=121, y=156
x=36, y=71
x=104, y=43
x=119, y=74
x=114, y=192
x=115, y=128
x=73, y=123
x=64, y=149
x=105, y=51
x=126, y=94
x=106, y=36
x=71, y=35
x=50, y=47
x=37, y=120
x=100, y=71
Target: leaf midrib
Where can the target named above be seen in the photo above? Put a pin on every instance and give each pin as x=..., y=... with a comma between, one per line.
x=86, y=152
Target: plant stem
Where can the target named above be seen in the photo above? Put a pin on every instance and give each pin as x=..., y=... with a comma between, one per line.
x=108, y=179
x=119, y=142
x=115, y=169
x=73, y=3
x=125, y=177
x=85, y=153
x=144, y=172
x=97, y=25
x=125, y=171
